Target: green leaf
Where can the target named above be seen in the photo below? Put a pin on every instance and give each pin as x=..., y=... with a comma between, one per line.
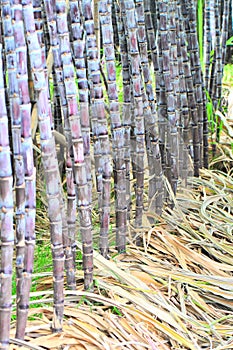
x=229, y=42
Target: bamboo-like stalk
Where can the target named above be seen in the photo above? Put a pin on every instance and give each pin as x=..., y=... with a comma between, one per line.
x=116, y=127
x=25, y=275
x=155, y=191
x=225, y=20
x=157, y=59
x=229, y=48
x=78, y=45
x=217, y=53
x=216, y=62
x=170, y=75
x=207, y=40
x=58, y=78
x=69, y=211
x=7, y=211
x=208, y=46
x=58, y=122
x=191, y=98
x=184, y=122
x=115, y=31
x=92, y=54
x=193, y=48
x=128, y=105
x=220, y=57
x=37, y=6
x=205, y=134
x=45, y=29
x=70, y=244
x=99, y=125
x=49, y=161
x=13, y=31
x=79, y=166
x=176, y=88
x=126, y=108
x=41, y=30
x=139, y=148
x=151, y=35
x=97, y=24
x=222, y=51
x=68, y=230
x=154, y=13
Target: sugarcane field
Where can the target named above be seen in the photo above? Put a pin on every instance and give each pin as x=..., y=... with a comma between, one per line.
x=116, y=174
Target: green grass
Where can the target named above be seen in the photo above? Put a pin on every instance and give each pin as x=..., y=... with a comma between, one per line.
x=215, y=124
x=42, y=264
x=119, y=81
x=228, y=75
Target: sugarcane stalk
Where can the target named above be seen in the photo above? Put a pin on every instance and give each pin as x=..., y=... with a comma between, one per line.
x=207, y=40
x=39, y=25
x=155, y=191
x=221, y=60
x=97, y=24
x=58, y=78
x=116, y=127
x=79, y=166
x=58, y=123
x=184, y=120
x=223, y=39
x=217, y=53
x=193, y=48
x=191, y=98
x=7, y=213
x=99, y=124
x=221, y=28
x=150, y=25
x=225, y=21
x=78, y=45
x=49, y=161
x=169, y=75
x=126, y=108
x=25, y=274
x=157, y=59
x=139, y=130
x=115, y=31
x=15, y=53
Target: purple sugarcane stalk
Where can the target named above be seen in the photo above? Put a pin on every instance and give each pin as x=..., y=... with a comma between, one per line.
x=13, y=41
x=49, y=161
x=69, y=227
x=155, y=191
x=139, y=129
x=24, y=280
x=126, y=108
x=117, y=129
x=7, y=211
x=99, y=123
x=79, y=166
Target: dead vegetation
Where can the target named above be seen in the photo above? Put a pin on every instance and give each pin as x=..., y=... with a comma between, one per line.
x=173, y=293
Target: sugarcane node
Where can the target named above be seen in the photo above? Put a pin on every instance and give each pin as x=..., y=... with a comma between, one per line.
x=4, y=210
x=56, y=330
